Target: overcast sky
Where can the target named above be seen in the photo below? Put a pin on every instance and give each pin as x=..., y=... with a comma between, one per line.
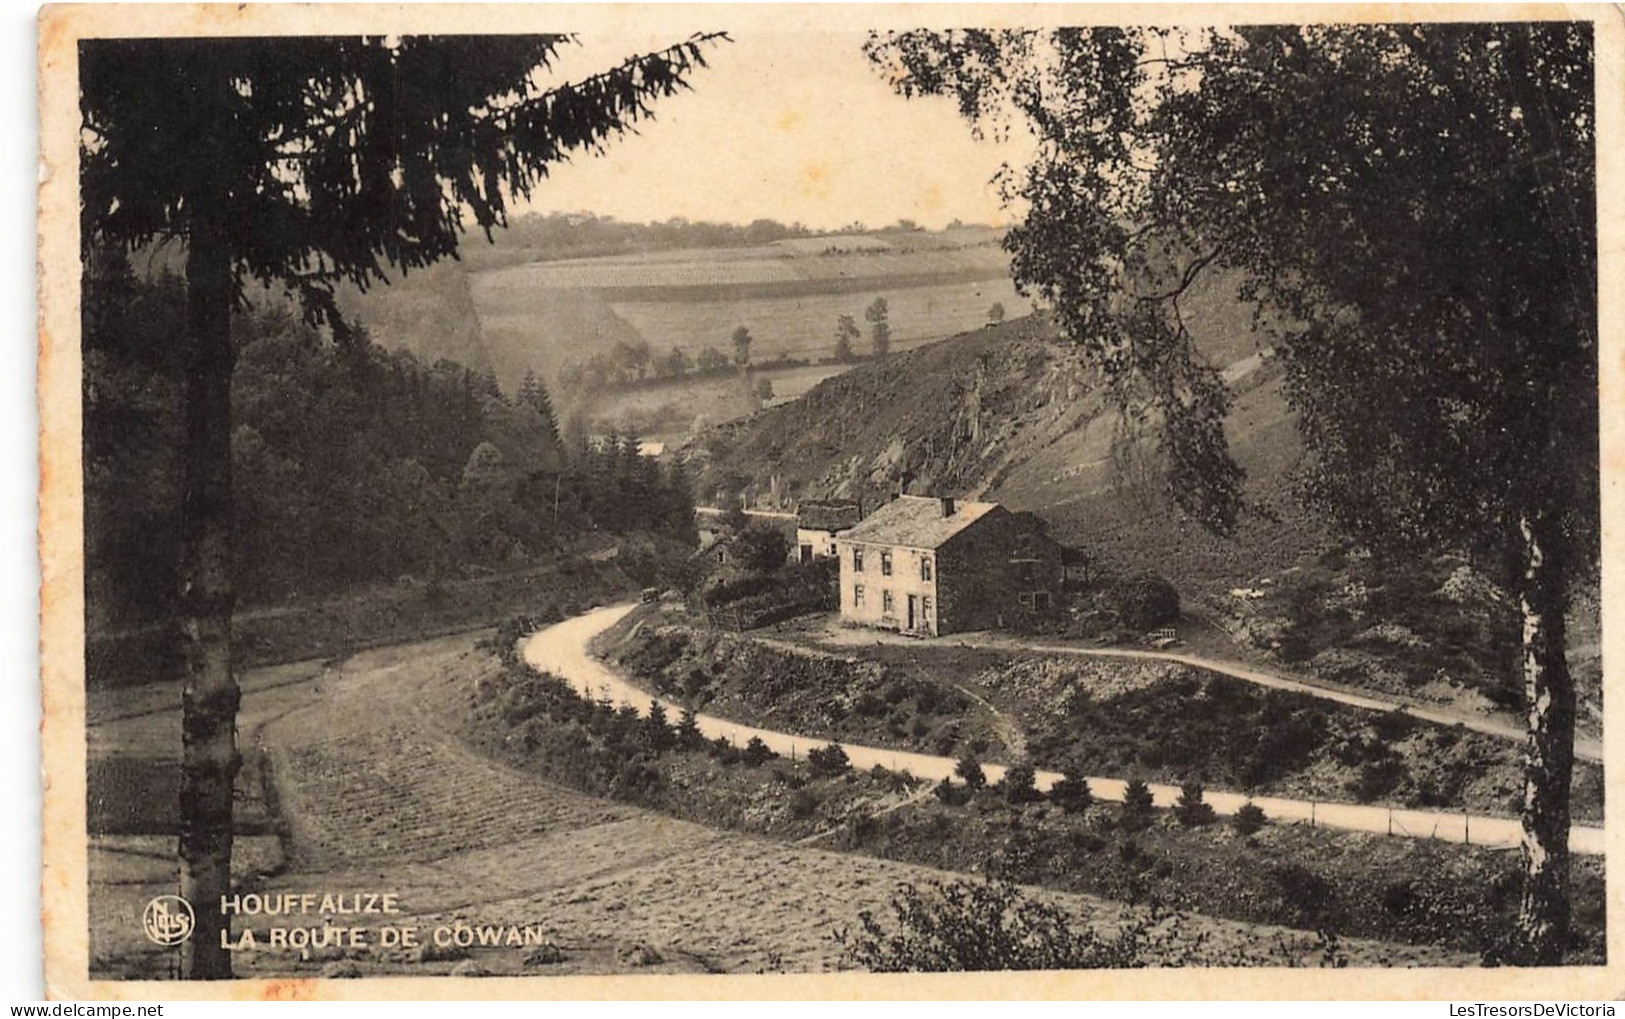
x=786, y=125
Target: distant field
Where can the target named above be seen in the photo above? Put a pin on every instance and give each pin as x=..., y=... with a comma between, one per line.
x=804, y=326
x=740, y=266
x=660, y=268
x=543, y=315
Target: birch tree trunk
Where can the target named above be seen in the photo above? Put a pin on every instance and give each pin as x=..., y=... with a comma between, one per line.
x=1543, y=913
x=210, y=695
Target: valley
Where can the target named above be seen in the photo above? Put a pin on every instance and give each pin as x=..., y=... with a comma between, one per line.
x=1003, y=498
x=544, y=316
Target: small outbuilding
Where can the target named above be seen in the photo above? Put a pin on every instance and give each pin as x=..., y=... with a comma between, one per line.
x=820, y=522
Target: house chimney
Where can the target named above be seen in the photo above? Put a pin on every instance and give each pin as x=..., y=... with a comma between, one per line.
x=947, y=505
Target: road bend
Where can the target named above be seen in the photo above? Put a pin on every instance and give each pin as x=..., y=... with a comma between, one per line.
x=561, y=649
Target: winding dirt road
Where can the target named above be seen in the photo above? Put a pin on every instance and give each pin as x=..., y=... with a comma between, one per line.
x=562, y=650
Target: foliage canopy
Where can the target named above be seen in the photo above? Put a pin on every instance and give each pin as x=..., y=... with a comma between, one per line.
x=1413, y=207
x=336, y=157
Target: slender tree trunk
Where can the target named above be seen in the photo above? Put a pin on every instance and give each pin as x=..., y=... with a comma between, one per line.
x=210, y=694
x=1543, y=914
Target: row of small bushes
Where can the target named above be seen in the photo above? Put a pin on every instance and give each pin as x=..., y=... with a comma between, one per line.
x=607, y=749
x=1073, y=796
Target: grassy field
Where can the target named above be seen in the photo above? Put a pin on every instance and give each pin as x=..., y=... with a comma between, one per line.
x=548, y=326
x=803, y=325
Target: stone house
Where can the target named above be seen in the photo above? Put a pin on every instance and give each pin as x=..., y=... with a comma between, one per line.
x=930, y=566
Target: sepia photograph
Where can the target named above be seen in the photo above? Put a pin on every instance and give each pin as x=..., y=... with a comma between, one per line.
x=769, y=497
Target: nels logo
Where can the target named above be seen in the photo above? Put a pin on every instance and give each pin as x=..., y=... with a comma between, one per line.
x=168, y=920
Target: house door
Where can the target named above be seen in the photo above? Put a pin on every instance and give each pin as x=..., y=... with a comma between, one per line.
x=806, y=554
x=913, y=609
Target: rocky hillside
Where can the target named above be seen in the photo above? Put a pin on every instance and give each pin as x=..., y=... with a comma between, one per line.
x=1010, y=413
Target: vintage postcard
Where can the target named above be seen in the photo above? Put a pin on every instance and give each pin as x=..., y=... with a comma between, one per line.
x=830, y=501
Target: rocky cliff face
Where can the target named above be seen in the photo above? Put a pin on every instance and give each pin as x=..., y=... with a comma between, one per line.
x=948, y=417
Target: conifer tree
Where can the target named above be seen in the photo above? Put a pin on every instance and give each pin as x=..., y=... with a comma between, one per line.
x=302, y=162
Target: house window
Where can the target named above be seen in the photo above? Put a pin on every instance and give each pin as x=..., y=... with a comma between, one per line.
x=925, y=606
x=925, y=567
x=1026, y=599
x=857, y=595
x=885, y=564
x=1041, y=601
x=857, y=560
x=886, y=604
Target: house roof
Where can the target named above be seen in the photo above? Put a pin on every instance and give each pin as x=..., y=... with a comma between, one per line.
x=916, y=521
x=828, y=514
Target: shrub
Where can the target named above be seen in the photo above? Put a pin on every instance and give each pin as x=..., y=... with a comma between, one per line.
x=1378, y=778
x=1137, y=812
x=803, y=803
x=970, y=771
x=828, y=760
x=637, y=781
x=656, y=729
x=723, y=751
x=762, y=549
x=1309, y=899
x=757, y=753
x=694, y=684
x=1191, y=809
x=1019, y=785
x=1393, y=726
x=953, y=795
x=626, y=718
x=1072, y=793
x=869, y=705
x=688, y=731
x=1147, y=602
x=859, y=830
x=974, y=926
x=892, y=781
x=720, y=591
x=1249, y=819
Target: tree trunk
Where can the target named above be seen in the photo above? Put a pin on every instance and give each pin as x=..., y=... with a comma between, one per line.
x=210, y=694
x=1543, y=914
